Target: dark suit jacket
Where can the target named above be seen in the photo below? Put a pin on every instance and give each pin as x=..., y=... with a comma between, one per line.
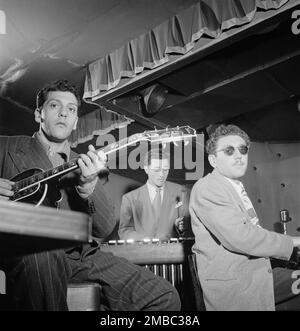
x=137, y=219
x=232, y=254
x=19, y=153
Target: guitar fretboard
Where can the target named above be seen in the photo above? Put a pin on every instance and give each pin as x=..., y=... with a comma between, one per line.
x=165, y=135
x=46, y=175
x=69, y=166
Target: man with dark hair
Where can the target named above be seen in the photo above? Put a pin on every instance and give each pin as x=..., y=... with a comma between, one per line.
x=232, y=249
x=58, y=85
x=158, y=209
x=39, y=281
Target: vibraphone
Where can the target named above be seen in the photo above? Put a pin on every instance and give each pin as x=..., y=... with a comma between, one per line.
x=167, y=259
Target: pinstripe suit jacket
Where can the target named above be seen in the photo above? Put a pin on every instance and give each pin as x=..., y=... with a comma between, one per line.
x=232, y=254
x=137, y=218
x=44, y=276
x=19, y=153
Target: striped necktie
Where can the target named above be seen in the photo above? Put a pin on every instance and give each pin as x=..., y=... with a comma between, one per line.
x=249, y=206
x=157, y=203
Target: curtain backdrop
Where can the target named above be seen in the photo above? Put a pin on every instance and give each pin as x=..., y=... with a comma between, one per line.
x=98, y=122
x=176, y=35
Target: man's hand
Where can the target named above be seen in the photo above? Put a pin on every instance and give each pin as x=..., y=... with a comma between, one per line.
x=179, y=223
x=6, y=188
x=90, y=165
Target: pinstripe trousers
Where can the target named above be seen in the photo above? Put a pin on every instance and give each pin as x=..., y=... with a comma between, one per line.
x=39, y=281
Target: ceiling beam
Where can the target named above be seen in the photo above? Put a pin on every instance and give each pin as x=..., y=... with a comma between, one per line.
x=239, y=76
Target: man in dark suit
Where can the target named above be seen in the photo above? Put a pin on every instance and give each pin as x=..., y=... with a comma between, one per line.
x=232, y=249
x=39, y=281
x=158, y=209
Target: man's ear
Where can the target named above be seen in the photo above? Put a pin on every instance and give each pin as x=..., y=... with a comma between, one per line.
x=75, y=124
x=212, y=160
x=38, y=115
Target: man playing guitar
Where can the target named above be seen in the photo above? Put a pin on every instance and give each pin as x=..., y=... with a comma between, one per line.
x=39, y=281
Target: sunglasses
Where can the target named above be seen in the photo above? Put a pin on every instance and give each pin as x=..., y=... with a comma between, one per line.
x=229, y=150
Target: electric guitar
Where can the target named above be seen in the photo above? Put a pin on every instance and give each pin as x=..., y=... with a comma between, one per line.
x=35, y=184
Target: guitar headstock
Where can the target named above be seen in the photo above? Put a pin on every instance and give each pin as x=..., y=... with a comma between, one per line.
x=164, y=136
x=167, y=135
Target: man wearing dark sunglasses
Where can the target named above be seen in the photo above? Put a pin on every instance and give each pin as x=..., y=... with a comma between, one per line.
x=232, y=249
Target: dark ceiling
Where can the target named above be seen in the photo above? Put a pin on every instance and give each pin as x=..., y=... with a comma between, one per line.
x=252, y=80
x=47, y=40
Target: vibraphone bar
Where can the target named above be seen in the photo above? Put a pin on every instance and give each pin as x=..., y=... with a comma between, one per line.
x=164, y=258
x=172, y=272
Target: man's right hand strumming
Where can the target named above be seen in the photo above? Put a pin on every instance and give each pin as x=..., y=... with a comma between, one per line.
x=6, y=188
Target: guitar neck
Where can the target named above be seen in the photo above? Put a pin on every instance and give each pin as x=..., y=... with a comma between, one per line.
x=162, y=136
x=46, y=175
x=68, y=166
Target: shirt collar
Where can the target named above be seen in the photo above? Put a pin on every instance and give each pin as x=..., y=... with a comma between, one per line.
x=52, y=148
x=154, y=188
x=234, y=182
x=152, y=191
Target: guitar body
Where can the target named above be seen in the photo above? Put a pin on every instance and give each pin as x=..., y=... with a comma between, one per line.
x=45, y=193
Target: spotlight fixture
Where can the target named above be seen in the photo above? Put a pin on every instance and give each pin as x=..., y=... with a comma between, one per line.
x=153, y=99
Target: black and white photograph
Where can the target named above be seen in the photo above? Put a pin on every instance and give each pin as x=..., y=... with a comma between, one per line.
x=149, y=159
